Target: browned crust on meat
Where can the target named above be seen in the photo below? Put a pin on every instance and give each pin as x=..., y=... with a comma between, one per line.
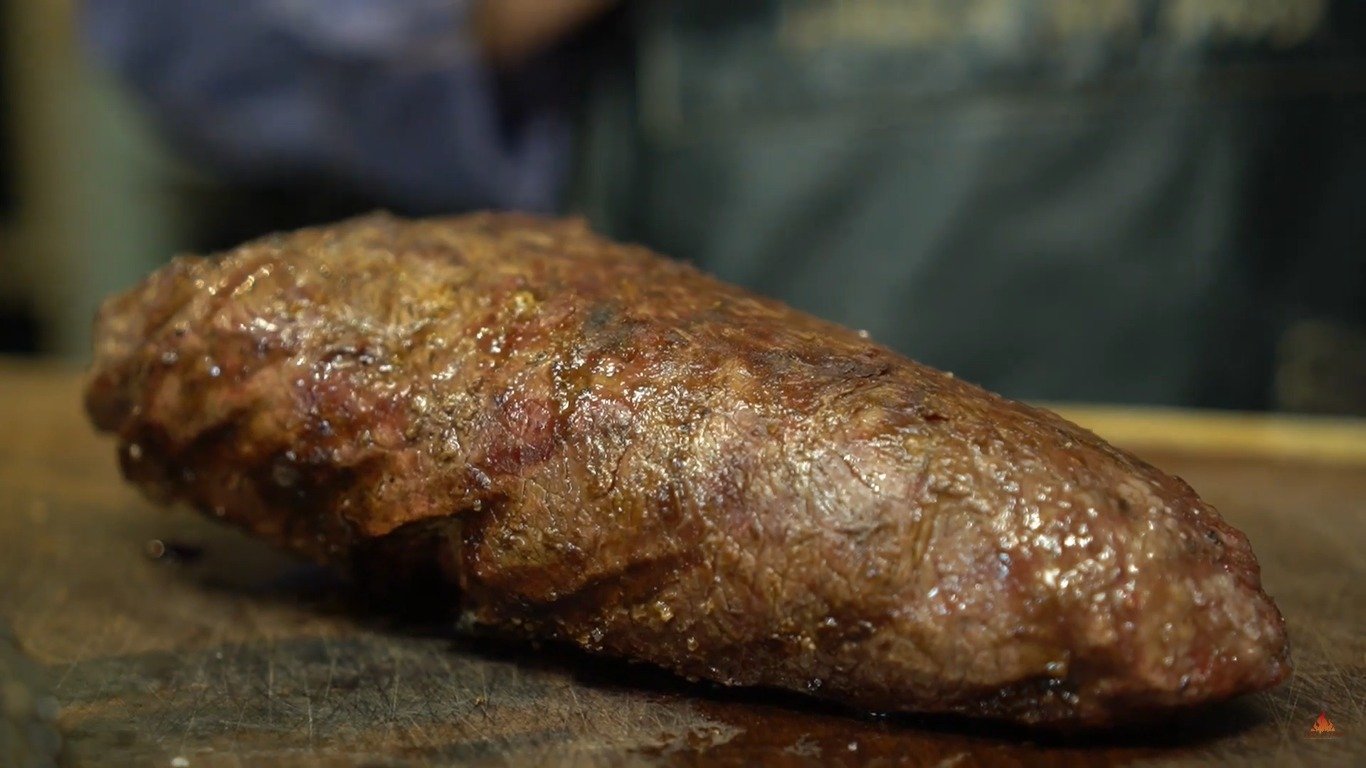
x=629, y=455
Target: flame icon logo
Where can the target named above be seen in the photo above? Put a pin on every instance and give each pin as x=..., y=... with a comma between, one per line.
x=1323, y=726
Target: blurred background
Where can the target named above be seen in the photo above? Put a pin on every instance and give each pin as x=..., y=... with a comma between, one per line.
x=1133, y=201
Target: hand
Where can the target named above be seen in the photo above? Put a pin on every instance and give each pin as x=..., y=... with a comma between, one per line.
x=512, y=31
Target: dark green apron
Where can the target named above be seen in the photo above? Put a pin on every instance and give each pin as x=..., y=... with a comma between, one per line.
x=1108, y=200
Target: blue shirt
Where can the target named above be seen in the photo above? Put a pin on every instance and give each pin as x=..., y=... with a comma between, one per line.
x=390, y=96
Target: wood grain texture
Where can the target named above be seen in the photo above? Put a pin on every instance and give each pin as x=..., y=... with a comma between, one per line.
x=228, y=654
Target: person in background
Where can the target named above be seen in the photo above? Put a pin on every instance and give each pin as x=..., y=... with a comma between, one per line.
x=1156, y=201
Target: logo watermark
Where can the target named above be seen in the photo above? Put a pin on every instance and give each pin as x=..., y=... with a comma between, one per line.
x=1323, y=728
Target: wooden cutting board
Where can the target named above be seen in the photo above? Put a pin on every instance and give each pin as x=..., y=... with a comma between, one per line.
x=220, y=652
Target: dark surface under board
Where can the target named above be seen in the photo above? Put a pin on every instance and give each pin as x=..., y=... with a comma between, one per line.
x=224, y=653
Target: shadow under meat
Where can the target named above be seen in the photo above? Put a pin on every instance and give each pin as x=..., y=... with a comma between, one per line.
x=1185, y=728
x=418, y=603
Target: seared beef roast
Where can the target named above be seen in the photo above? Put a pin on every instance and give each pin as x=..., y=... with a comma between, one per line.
x=612, y=449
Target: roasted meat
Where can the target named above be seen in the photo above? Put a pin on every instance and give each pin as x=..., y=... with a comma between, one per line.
x=606, y=447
